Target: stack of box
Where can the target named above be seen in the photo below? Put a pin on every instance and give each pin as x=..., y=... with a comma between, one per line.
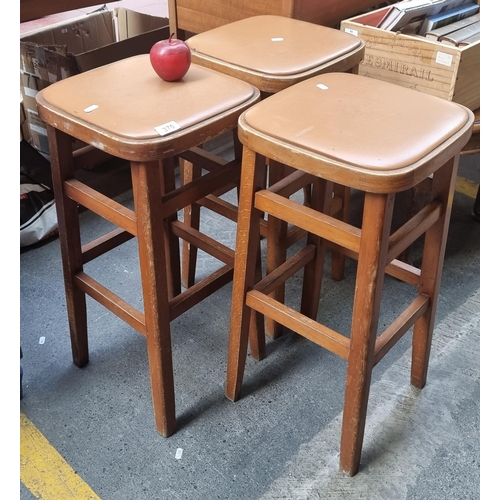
x=65, y=49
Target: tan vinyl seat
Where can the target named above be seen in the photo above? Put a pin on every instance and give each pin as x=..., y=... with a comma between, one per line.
x=368, y=135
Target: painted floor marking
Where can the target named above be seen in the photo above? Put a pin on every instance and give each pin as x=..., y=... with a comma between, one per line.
x=45, y=472
x=466, y=186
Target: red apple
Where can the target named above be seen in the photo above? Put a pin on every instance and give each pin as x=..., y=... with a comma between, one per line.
x=170, y=58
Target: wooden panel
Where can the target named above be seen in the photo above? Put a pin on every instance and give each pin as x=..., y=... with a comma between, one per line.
x=197, y=16
x=467, y=86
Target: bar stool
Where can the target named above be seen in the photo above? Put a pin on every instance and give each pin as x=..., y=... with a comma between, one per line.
x=126, y=110
x=272, y=53
x=369, y=135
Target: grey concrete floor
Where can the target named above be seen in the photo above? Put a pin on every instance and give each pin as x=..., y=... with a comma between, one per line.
x=281, y=440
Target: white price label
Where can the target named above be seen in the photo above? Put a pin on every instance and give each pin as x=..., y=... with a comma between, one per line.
x=445, y=59
x=89, y=109
x=167, y=128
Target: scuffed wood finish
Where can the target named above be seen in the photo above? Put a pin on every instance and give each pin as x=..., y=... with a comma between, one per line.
x=153, y=220
x=299, y=144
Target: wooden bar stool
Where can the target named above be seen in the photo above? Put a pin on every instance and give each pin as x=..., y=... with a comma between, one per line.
x=364, y=134
x=125, y=109
x=272, y=53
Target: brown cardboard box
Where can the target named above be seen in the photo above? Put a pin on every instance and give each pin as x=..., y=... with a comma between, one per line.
x=24, y=132
x=416, y=62
x=65, y=49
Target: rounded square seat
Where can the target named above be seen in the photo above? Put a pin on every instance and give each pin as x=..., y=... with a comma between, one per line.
x=135, y=114
x=359, y=130
x=274, y=52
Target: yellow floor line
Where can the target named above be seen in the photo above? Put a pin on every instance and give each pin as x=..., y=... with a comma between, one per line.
x=466, y=186
x=45, y=472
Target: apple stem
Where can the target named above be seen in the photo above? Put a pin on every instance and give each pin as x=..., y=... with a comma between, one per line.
x=170, y=37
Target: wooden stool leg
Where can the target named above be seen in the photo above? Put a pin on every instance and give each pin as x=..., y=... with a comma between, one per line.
x=147, y=187
x=247, y=251
x=313, y=271
x=172, y=242
x=342, y=195
x=257, y=324
x=443, y=187
x=61, y=160
x=277, y=231
x=375, y=231
x=191, y=215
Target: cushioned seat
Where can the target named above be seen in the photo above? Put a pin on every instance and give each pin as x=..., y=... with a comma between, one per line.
x=274, y=52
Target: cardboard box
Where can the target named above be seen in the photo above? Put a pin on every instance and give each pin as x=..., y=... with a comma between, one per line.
x=415, y=62
x=24, y=125
x=65, y=49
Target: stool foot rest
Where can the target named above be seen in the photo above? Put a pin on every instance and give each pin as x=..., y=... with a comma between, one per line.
x=203, y=242
x=307, y=327
x=199, y=188
x=199, y=291
x=112, y=302
x=104, y=244
x=286, y=270
x=386, y=340
x=409, y=232
x=101, y=205
x=303, y=217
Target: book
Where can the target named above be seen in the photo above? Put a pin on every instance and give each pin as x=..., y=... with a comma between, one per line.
x=437, y=33
x=412, y=28
x=448, y=16
x=460, y=35
x=468, y=41
x=411, y=11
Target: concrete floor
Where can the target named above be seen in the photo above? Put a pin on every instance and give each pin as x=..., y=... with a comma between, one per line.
x=281, y=440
